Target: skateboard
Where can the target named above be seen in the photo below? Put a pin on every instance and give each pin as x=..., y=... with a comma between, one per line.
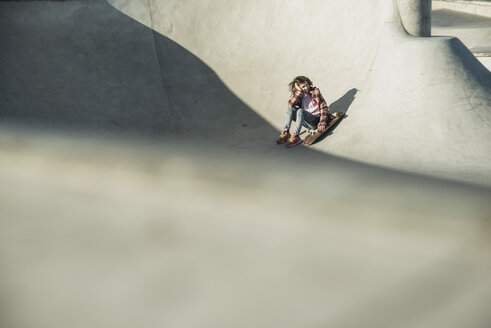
x=312, y=137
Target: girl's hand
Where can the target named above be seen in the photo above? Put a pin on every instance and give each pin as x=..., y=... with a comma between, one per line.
x=298, y=91
x=321, y=127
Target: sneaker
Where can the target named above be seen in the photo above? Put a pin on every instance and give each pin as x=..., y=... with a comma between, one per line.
x=283, y=137
x=293, y=141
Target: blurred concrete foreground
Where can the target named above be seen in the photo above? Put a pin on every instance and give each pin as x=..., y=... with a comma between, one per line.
x=140, y=185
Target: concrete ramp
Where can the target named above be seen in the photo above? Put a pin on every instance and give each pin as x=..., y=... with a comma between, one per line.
x=216, y=72
x=422, y=104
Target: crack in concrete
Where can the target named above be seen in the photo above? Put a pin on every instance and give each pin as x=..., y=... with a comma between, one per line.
x=159, y=62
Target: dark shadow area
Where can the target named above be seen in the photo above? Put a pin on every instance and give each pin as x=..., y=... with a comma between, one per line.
x=472, y=65
x=79, y=66
x=85, y=66
x=342, y=104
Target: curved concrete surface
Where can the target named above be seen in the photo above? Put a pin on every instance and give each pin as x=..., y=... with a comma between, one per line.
x=140, y=185
x=85, y=65
x=413, y=111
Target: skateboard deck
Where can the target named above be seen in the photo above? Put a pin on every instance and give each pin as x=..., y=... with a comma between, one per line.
x=311, y=138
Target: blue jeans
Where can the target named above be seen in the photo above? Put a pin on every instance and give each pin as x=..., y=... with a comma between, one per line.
x=303, y=118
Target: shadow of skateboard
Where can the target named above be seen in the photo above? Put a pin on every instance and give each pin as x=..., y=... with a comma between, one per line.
x=312, y=138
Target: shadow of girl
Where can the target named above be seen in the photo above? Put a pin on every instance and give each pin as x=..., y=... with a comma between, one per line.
x=341, y=105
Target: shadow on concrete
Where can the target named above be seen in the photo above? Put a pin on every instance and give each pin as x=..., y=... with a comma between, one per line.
x=341, y=105
x=472, y=65
x=86, y=68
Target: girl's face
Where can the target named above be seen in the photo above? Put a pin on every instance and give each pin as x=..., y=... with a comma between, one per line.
x=304, y=87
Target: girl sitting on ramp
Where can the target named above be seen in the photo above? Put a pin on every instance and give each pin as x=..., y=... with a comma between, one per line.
x=307, y=107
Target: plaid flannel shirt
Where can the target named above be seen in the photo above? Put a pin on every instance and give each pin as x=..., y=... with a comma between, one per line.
x=315, y=94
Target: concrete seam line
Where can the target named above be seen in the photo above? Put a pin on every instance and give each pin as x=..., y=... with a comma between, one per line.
x=159, y=62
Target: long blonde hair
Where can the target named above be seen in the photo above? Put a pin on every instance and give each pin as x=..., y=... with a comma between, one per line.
x=298, y=80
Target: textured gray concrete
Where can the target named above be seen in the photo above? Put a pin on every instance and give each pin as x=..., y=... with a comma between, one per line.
x=79, y=64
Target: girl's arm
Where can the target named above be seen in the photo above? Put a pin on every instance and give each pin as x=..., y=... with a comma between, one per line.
x=324, y=109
